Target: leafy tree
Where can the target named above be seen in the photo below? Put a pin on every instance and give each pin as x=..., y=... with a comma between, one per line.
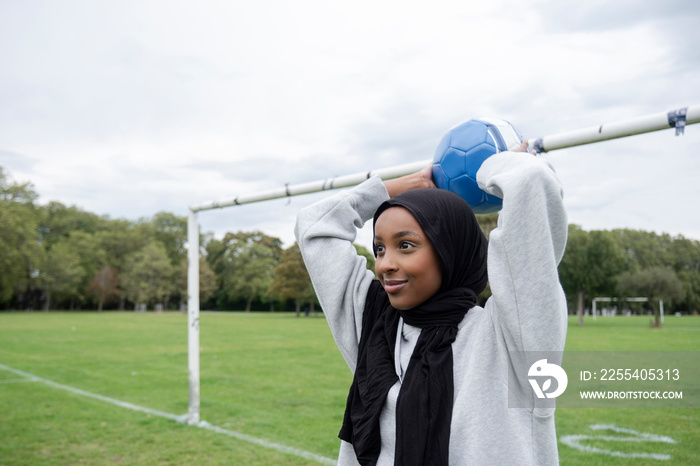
x=644, y=249
x=60, y=273
x=120, y=239
x=215, y=251
x=291, y=279
x=248, y=263
x=104, y=284
x=59, y=221
x=19, y=249
x=119, y=242
x=22, y=193
x=655, y=283
x=171, y=231
x=690, y=280
x=148, y=276
x=91, y=258
x=15, y=253
x=591, y=262
x=686, y=262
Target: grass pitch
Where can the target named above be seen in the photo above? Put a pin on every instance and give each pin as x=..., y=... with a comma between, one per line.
x=270, y=376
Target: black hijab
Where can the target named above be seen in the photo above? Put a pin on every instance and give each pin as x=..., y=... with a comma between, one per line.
x=424, y=405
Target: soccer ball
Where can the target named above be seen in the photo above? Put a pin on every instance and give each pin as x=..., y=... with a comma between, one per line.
x=461, y=152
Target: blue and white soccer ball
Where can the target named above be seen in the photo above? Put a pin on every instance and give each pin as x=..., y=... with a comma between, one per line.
x=461, y=152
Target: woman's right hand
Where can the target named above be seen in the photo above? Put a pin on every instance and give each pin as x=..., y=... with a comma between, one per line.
x=419, y=180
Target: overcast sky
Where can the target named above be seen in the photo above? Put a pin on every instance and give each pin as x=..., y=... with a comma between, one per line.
x=127, y=108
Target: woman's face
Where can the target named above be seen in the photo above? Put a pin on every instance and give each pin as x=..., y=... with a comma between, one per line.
x=407, y=265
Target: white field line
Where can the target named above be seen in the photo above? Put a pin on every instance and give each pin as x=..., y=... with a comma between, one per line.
x=182, y=419
x=576, y=441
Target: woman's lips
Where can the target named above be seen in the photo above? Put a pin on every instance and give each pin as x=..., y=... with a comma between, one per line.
x=394, y=285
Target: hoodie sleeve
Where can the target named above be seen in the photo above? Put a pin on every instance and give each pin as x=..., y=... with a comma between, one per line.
x=525, y=250
x=325, y=232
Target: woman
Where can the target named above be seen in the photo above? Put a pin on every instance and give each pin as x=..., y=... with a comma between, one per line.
x=430, y=367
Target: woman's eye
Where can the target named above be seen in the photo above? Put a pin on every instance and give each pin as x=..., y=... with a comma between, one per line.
x=405, y=245
x=378, y=248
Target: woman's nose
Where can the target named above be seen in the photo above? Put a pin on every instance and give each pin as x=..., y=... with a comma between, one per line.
x=386, y=263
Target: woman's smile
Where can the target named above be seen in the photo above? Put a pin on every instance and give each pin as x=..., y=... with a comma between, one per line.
x=393, y=285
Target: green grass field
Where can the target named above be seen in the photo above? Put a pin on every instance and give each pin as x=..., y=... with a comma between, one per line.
x=270, y=376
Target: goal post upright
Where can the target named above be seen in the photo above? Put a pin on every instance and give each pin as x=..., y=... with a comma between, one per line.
x=677, y=119
x=193, y=316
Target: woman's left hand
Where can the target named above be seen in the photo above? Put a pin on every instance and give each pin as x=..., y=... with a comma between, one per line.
x=523, y=148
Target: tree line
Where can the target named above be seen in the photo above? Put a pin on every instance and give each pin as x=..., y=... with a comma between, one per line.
x=54, y=256
x=627, y=263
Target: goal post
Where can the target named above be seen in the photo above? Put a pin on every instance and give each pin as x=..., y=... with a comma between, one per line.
x=193, y=316
x=597, y=300
x=629, y=300
x=677, y=119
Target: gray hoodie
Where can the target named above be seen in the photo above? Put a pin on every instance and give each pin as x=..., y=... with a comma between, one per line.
x=526, y=312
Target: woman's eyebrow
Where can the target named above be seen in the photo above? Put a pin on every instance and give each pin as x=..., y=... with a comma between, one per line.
x=399, y=234
x=405, y=233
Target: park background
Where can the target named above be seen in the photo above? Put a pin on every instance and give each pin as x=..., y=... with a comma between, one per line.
x=273, y=384
x=62, y=257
